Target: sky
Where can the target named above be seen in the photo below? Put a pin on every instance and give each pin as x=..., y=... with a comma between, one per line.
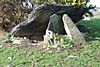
x=95, y=2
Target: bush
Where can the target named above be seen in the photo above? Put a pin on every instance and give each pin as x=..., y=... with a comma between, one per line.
x=13, y=13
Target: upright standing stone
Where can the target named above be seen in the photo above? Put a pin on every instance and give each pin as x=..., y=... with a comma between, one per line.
x=36, y=23
x=55, y=24
x=72, y=31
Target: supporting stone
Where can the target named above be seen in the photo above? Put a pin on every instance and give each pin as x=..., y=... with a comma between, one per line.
x=37, y=22
x=72, y=31
x=55, y=25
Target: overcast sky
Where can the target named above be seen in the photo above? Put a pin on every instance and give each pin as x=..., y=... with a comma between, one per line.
x=95, y=2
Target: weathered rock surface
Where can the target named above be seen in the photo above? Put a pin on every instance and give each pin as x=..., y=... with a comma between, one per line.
x=72, y=31
x=37, y=22
x=55, y=24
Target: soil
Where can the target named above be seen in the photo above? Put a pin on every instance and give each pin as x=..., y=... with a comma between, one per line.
x=40, y=45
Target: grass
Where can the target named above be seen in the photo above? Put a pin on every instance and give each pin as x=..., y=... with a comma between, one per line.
x=87, y=56
x=93, y=27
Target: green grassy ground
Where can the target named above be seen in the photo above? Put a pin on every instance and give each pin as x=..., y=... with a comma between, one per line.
x=87, y=56
x=93, y=27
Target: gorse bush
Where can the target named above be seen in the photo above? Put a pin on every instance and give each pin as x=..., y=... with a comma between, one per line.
x=77, y=2
x=68, y=2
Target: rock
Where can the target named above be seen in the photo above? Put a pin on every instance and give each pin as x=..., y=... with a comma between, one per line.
x=87, y=18
x=97, y=38
x=55, y=24
x=48, y=37
x=9, y=58
x=21, y=41
x=27, y=4
x=72, y=31
x=73, y=56
x=1, y=46
x=17, y=42
x=54, y=46
x=9, y=65
x=34, y=44
x=37, y=22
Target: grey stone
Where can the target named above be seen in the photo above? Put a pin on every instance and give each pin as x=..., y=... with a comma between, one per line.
x=55, y=24
x=72, y=31
x=48, y=37
x=9, y=65
x=21, y=41
x=73, y=56
x=37, y=22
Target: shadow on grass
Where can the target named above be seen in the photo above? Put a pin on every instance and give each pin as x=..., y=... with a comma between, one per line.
x=93, y=29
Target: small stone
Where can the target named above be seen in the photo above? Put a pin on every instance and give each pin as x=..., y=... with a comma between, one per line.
x=17, y=42
x=97, y=38
x=48, y=48
x=25, y=38
x=34, y=44
x=34, y=41
x=54, y=46
x=1, y=46
x=72, y=56
x=48, y=39
x=50, y=51
x=9, y=58
x=87, y=18
x=9, y=65
x=58, y=49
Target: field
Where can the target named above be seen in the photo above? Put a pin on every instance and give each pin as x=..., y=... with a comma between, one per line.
x=85, y=56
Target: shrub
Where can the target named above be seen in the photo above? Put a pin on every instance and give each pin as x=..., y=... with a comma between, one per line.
x=13, y=13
